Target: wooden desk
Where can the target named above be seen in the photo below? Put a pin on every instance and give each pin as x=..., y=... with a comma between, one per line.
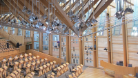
x=119, y=71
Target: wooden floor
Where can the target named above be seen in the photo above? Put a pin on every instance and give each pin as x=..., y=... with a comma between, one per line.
x=94, y=73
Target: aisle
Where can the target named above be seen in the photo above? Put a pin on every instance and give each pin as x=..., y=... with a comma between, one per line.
x=93, y=73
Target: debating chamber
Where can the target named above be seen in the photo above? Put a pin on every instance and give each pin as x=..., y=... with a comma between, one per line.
x=68, y=39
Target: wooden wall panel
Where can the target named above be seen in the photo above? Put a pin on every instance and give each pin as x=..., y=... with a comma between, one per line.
x=75, y=50
x=132, y=44
x=133, y=47
x=88, y=53
x=133, y=56
x=117, y=48
x=118, y=57
x=134, y=63
x=102, y=54
x=117, y=39
x=133, y=40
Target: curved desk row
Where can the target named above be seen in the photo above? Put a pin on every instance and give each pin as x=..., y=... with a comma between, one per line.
x=43, y=55
x=119, y=71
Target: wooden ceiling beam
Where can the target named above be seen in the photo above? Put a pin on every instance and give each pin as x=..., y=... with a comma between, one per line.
x=87, y=9
x=13, y=12
x=129, y=2
x=11, y=16
x=60, y=14
x=2, y=8
x=19, y=9
x=35, y=8
x=100, y=5
x=71, y=6
x=103, y=8
x=112, y=6
x=3, y=17
x=65, y=4
x=100, y=8
x=78, y=7
x=7, y=16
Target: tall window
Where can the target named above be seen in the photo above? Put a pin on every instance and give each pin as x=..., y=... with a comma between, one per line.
x=36, y=40
x=13, y=30
x=116, y=30
x=19, y=32
x=46, y=43
x=63, y=47
x=101, y=23
x=56, y=45
x=135, y=23
x=6, y=29
x=27, y=33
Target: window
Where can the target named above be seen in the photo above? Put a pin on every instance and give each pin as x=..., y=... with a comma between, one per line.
x=6, y=29
x=45, y=43
x=36, y=45
x=63, y=46
x=27, y=33
x=13, y=30
x=101, y=23
x=36, y=40
x=55, y=37
x=134, y=31
x=36, y=36
x=117, y=30
x=56, y=45
x=19, y=32
x=135, y=23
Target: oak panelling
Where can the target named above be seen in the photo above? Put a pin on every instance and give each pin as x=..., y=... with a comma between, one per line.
x=132, y=39
x=102, y=54
x=117, y=39
x=133, y=47
x=133, y=56
x=129, y=25
x=133, y=62
x=88, y=53
x=118, y=57
x=75, y=50
x=129, y=32
x=132, y=44
x=117, y=48
x=102, y=42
